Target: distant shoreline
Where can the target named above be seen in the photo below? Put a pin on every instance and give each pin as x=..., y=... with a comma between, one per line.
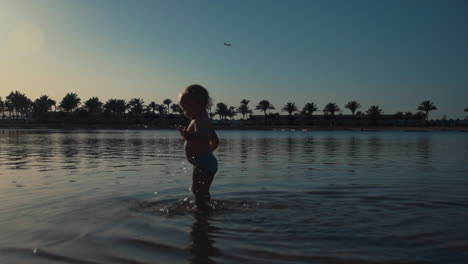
x=272, y=128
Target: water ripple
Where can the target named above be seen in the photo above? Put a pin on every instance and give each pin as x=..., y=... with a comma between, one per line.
x=279, y=197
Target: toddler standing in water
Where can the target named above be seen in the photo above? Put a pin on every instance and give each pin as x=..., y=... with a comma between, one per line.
x=200, y=142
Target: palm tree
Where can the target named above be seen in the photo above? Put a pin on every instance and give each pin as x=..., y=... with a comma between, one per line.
x=136, y=106
x=353, y=106
x=14, y=101
x=331, y=108
x=176, y=109
x=2, y=107
x=70, y=102
x=121, y=107
x=42, y=105
x=152, y=107
x=53, y=103
x=244, y=108
x=309, y=108
x=9, y=107
x=116, y=107
x=93, y=105
x=161, y=109
x=167, y=102
x=231, y=112
x=27, y=107
x=427, y=106
x=110, y=106
x=290, y=108
x=221, y=110
x=264, y=105
x=11, y=102
x=374, y=112
x=19, y=102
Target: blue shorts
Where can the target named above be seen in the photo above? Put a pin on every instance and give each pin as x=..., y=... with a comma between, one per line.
x=207, y=163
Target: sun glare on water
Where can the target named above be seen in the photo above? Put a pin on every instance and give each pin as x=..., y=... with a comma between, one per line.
x=25, y=38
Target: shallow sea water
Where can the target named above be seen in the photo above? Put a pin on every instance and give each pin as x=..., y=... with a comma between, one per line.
x=114, y=196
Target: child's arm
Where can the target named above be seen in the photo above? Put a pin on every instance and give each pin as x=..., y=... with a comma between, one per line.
x=199, y=131
x=183, y=132
x=214, y=141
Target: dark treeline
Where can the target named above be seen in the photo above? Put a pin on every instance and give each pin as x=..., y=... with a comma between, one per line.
x=18, y=108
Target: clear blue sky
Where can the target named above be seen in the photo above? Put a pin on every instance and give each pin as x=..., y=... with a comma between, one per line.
x=392, y=53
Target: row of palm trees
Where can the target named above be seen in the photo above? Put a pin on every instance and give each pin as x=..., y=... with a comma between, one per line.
x=373, y=112
x=18, y=105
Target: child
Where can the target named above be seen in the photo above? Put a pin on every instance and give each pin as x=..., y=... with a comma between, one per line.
x=200, y=142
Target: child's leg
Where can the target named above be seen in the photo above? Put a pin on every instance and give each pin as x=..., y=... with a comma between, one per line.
x=201, y=182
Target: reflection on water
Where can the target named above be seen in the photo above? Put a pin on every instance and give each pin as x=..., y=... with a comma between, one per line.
x=203, y=236
x=354, y=144
x=244, y=150
x=265, y=147
x=423, y=146
x=374, y=146
x=26, y=150
x=70, y=151
x=279, y=197
x=329, y=149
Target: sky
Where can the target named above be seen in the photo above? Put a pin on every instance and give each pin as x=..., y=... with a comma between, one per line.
x=389, y=53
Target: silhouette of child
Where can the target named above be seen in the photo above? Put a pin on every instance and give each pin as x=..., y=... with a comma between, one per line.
x=200, y=142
